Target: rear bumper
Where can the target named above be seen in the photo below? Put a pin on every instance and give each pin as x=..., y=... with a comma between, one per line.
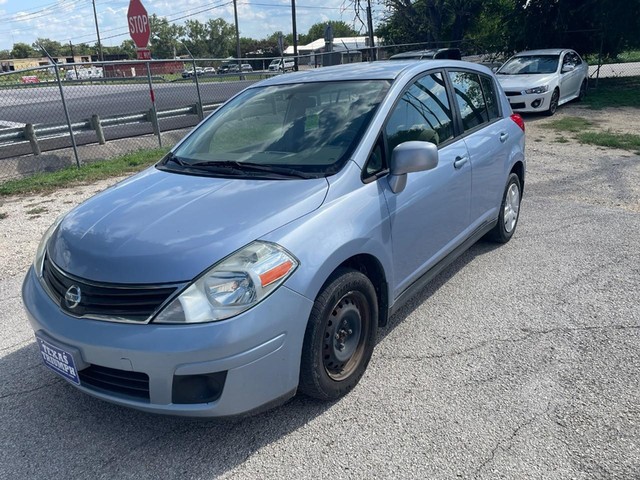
x=259, y=351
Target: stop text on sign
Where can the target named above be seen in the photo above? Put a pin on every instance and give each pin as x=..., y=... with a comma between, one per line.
x=138, y=24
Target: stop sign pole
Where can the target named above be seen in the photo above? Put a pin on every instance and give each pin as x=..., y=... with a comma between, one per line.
x=140, y=32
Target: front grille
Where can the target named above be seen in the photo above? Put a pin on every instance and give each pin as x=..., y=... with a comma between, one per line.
x=518, y=105
x=512, y=94
x=136, y=303
x=119, y=382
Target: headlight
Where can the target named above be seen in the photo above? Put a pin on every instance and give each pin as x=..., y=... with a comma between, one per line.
x=42, y=248
x=541, y=89
x=233, y=286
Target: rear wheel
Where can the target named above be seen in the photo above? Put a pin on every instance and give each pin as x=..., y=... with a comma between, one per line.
x=509, y=212
x=553, y=103
x=340, y=336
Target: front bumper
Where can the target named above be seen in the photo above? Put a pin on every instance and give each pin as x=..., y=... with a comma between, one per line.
x=259, y=349
x=529, y=103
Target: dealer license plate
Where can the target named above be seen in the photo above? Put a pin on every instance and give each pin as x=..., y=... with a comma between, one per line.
x=58, y=360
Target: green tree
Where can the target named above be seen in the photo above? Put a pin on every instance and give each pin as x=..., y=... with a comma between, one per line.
x=128, y=48
x=196, y=38
x=221, y=38
x=5, y=54
x=164, y=40
x=316, y=31
x=23, y=50
x=54, y=47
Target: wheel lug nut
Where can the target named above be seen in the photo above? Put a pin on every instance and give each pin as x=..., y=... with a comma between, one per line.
x=349, y=332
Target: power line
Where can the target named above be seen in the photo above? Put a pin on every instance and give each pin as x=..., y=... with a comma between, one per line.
x=39, y=14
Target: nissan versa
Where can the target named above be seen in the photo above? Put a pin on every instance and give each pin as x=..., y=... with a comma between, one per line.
x=260, y=256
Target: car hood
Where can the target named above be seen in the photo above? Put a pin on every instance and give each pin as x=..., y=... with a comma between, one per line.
x=162, y=227
x=524, y=82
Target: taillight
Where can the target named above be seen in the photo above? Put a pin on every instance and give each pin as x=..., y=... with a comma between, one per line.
x=518, y=119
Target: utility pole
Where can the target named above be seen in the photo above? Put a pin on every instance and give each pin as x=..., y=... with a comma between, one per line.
x=95, y=17
x=238, y=54
x=74, y=59
x=372, y=51
x=295, y=35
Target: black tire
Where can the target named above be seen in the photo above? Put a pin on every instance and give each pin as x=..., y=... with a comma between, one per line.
x=583, y=91
x=345, y=314
x=553, y=103
x=504, y=230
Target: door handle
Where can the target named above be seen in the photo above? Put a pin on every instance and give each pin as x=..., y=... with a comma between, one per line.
x=460, y=161
x=504, y=136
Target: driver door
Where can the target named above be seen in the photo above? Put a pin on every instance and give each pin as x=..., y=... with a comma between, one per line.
x=429, y=215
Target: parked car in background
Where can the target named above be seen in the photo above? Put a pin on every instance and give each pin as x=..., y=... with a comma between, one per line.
x=234, y=68
x=209, y=70
x=542, y=80
x=430, y=54
x=261, y=255
x=282, y=65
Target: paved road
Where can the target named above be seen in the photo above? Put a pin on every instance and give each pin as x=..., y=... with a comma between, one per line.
x=519, y=361
x=43, y=105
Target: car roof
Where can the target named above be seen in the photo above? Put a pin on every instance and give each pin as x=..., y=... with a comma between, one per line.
x=544, y=51
x=382, y=70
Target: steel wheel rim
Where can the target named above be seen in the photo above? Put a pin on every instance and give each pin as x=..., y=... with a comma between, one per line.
x=511, y=208
x=345, y=335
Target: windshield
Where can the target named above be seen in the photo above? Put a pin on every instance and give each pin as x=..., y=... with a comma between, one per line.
x=308, y=128
x=274, y=62
x=530, y=65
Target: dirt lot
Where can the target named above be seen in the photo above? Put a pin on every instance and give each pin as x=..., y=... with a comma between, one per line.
x=516, y=362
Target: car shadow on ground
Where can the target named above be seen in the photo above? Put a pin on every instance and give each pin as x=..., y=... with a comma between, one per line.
x=51, y=429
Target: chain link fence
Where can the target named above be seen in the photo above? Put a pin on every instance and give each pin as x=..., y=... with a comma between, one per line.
x=59, y=115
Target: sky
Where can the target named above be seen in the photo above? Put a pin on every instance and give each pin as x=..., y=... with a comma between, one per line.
x=72, y=20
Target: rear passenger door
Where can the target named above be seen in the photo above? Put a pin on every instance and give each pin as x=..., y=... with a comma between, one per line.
x=485, y=136
x=429, y=215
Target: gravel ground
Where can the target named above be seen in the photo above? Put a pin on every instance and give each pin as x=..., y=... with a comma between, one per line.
x=519, y=361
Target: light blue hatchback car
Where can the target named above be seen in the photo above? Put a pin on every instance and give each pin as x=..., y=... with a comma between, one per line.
x=261, y=255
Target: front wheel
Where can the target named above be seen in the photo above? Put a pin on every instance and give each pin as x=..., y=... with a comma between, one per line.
x=340, y=336
x=583, y=91
x=509, y=212
x=553, y=104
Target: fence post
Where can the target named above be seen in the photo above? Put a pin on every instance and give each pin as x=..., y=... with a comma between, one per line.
x=97, y=126
x=66, y=112
x=30, y=134
x=153, y=113
x=195, y=76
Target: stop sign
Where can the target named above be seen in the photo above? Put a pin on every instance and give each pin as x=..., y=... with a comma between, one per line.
x=138, y=24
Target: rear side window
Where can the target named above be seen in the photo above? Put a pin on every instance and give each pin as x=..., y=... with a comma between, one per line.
x=490, y=97
x=423, y=113
x=470, y=98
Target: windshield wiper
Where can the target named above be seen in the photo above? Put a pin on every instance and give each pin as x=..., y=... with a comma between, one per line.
x=252, y=167
x=171, y=157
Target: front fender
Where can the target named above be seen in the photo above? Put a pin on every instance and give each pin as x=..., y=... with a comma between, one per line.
x=355, y=223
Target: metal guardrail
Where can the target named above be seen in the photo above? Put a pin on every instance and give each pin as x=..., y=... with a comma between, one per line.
x=33, y=132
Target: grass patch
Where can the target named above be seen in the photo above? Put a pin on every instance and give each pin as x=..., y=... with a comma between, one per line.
x=623, y=141
x=614, y=92
x=569, y=124
x=561, y=140
x=37, y=211
x=72, y=176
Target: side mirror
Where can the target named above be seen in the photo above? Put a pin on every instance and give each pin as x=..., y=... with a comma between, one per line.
x=410, y=157
x=568, y=68
x=494, y=69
